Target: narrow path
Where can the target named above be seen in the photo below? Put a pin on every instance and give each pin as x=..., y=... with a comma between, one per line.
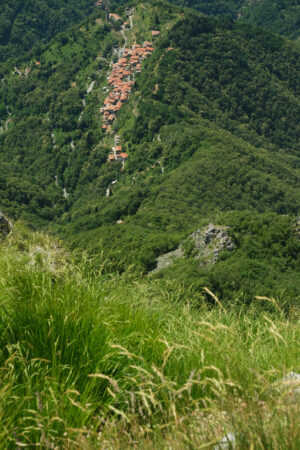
x=88, y=91
x=161, y=167
x=53, y=139
x=90, y=87
x=65, y=193
x=72, y=145
x=124, y=36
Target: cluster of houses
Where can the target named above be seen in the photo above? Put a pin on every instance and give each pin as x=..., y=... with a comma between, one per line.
x=121, y=81
x=117, y=153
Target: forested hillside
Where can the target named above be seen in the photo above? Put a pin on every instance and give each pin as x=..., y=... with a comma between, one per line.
x=282, y=17
x=24, y=24
x=211, y=127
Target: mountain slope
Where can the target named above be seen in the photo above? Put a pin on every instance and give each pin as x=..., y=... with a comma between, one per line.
x=210, y=126
x=199, y=164
x=25, y=24
x=205, y=169
x=282, y=17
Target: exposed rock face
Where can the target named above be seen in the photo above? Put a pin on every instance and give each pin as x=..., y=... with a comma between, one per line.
x=5, y=226
x=204, y=244
x=207, y=243
x=167, y=259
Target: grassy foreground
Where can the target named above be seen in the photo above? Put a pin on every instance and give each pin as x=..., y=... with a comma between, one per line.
x=95, y=361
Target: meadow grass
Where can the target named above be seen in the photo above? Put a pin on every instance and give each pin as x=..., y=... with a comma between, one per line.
x=89, y=360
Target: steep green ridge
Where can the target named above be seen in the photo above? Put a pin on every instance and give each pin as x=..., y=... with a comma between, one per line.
x=23, y=24
x=210, y=128
x=214, y=7
x=40, y=118
x=45, y=108
x=281, y=17
x=242, y=80
x=206, y=170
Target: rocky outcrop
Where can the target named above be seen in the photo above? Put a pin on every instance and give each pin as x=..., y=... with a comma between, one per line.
x=5, y=226
x=205, y=244
x=167, y=259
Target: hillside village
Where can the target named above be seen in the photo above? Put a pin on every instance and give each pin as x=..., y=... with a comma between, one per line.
x=121, y=81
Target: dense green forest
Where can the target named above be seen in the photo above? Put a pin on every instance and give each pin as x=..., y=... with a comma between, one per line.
x=27, y=25
x=206, y=170
x=24, y=24
x=282, y=17
x=214, y=7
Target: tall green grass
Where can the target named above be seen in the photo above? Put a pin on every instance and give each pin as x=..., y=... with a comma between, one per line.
x=95, y=361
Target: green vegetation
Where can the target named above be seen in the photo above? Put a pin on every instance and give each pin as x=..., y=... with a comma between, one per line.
x=25, y=24
x=264, y=262
x=282, y=17
x=211, y=128
x=98, y=351
x=91, y=360
x=214, y=7
x=46, y=104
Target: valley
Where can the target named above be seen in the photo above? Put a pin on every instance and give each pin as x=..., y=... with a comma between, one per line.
x=149, y=224
x=198, y=117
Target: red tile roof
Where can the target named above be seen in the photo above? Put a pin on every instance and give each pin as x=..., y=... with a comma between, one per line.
x=114, y=16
